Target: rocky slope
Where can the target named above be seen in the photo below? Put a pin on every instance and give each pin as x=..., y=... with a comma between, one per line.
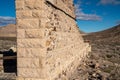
x=112, y=35
x=103, y=63
x=7, y=36
x=8, y=31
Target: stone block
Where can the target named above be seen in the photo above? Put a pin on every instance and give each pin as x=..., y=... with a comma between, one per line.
x=34, y=33
x=33, y=4
x=28, y=23
x=19, y=4
x=30, y=72
x=24, y=14
x=30, y=43
x=28, y=63
x=37, y=13
x=31, y=52
x=20, y=33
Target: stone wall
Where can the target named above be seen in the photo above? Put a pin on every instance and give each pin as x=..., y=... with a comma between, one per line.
x=49, y=44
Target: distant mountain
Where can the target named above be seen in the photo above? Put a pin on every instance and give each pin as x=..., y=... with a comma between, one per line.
x=8, y=31
x=112, y=35
x=7, y=37
x=103, y=62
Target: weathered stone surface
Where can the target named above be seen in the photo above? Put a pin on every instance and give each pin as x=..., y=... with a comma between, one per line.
x=29, y=72
x=30, y=43
x=28, y=23
x=31, y=52
x=28, y=62
x=37, y=13
x=24, y=14
x=61, y=4
x=35, y=33
x=33, y=4
x=58, y=41
x=19, y=4
x=34, y=79
x=21, y=33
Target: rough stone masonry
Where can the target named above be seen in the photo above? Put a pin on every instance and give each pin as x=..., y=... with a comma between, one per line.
x=49, y=44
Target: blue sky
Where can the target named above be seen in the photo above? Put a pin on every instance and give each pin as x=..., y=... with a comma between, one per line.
x=7, y=12
x=92, y=15
x=97, y=15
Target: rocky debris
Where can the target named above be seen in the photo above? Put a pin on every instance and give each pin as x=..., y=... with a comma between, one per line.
x=103, y=62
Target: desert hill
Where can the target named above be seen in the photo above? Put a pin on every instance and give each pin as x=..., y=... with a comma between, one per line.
x=112, y=35
x=7, y=36
x=103, y=62
x=8, y=31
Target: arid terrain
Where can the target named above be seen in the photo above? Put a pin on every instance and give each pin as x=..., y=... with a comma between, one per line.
x=7, y=40
x=7, y=36
x=103, y=63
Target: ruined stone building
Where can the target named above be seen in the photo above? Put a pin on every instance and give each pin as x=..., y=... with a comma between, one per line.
x=49, y=44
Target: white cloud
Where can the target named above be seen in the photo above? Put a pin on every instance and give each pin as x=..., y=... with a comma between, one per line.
x=83, y=16
x=5, y=20
x=115, y=2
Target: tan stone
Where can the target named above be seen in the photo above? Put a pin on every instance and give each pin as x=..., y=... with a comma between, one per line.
x=31, y=52
x=34, y=79
x=33, y=4
x=19, y=4
x=24, y=14
x=28, y=63
x=30, y=43
x=60, y=4
x=20, y=78
x=29, y=72
x=21, y=33
x=34, y=33
x=48, y=43
x=37, y=13
x=28, y=23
